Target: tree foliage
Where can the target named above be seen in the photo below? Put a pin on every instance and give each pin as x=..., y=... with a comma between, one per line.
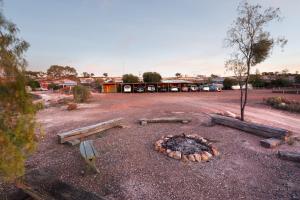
x=151, y=77
x=130, y=78
x=57, y=71
x=228, y=83
x=250, y=42
x=17, y=113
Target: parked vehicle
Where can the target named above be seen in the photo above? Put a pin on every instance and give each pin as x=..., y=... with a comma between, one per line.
x=174, y=89
x=205, y=88
x=163, y=89
x=194, y=88
x=214, y=88
x=139, y=89
x=151, y=88
x=127, y=88
x=184, y=89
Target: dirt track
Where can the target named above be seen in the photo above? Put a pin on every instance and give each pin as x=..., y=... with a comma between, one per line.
x=131, y=169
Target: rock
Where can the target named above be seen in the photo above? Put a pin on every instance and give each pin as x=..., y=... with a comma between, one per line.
x=169, y=151
x=215, y=151
x=171, y=154
x=208, y=154
x=270, y=143
x=184, y=158
x=204, y=157
x=197, y=157
x=229, y=114
x=162, y=150
x=203, y=140
x=191, y=157
x=177, y=155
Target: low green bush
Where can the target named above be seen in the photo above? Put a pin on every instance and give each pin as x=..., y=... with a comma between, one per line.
x=81, y=94
x=283, y=104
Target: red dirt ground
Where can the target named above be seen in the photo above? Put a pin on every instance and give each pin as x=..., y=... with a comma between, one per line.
x=132, y=169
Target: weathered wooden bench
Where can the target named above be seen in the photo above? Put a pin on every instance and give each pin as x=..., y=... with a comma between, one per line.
x=79, y=133
x=254, y=128
x=89, y=153
x=165, y=120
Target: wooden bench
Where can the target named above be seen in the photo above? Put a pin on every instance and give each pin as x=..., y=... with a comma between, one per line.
x=80, y=133
x=250, y=127
x=165, y=120
x=89, y=153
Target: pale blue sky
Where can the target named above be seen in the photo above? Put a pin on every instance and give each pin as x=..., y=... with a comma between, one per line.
x=134, y=36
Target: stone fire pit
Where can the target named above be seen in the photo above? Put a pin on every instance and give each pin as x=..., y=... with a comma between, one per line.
x=186, y=147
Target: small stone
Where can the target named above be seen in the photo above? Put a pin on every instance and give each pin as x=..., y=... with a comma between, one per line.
x=184, y=158
x=177, y=155
x=203, y=140
x=204, y=157
x=169, y=151
x=197, y=157
x=162, y=150
x=171, y=154
x=191, y=157
x=208, y=154
x=215, y=151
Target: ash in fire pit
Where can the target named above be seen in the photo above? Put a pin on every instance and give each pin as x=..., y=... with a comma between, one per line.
x=186, y=147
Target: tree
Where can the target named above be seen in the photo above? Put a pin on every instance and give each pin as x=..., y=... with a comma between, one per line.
x=86, y=75
x=57, y=71
x=178, y=75
x=17, y=113
x=130, y=78
x=228, y=83
x=251, y=43
x=151, y=77
x=105, y=74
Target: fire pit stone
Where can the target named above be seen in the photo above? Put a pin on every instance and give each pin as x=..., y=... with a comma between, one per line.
x=186, y=147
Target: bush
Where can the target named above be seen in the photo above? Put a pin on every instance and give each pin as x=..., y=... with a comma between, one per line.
x=53, y=86
x=39, y=105
x=228, y=83
x=72, y=106
x=81, y=94
x=34, y=84
x=283, y=104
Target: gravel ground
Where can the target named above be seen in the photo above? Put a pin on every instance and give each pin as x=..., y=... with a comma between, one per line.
x=132, y=169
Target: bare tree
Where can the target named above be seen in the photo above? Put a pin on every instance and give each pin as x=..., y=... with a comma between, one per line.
x=251, y=44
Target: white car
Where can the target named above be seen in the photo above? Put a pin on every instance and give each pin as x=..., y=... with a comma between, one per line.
x=194, y=88
x=174, y=89
x=205, y=88
x=127, y=88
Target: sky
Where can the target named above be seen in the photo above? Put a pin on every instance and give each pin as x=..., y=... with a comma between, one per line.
x=135, y=36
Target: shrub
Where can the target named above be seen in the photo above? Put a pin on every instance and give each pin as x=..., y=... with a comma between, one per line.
x=53, y=86
x=72, y=106
x=34, y=84
x=283, y=104
x=39, y=105
x=81, y=94
x=228, y=83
